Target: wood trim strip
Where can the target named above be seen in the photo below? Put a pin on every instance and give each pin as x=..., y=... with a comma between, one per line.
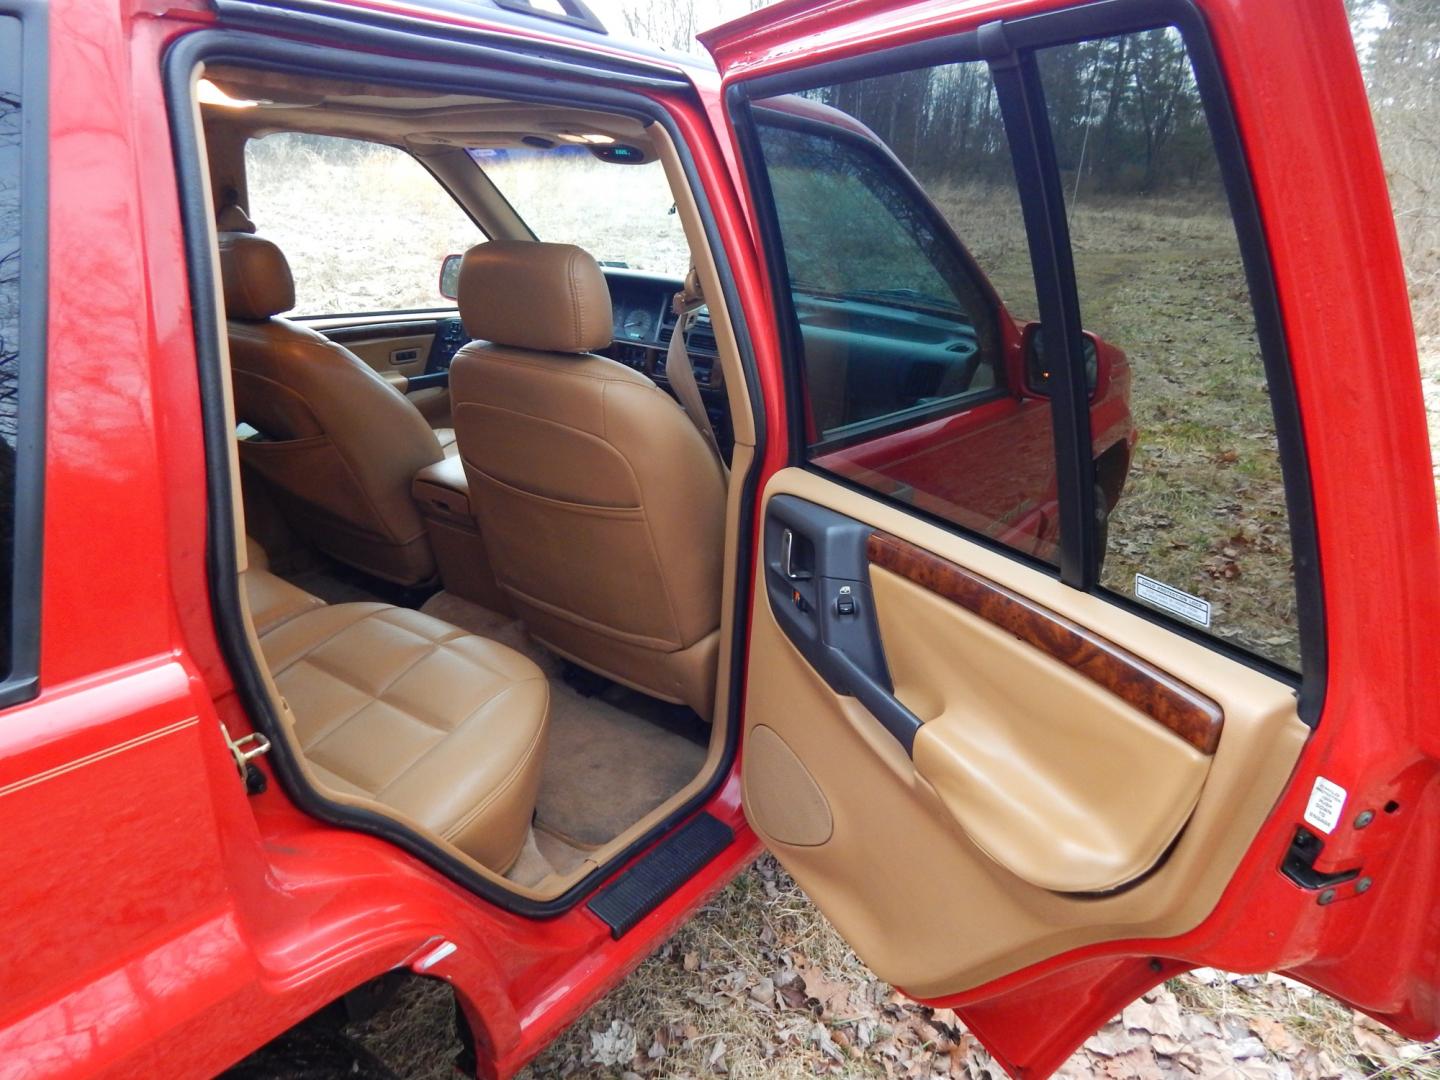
x=1171, y=703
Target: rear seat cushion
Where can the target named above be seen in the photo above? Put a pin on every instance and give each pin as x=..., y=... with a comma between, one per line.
x=274, y=600
x=255, y=556
x=394, y=706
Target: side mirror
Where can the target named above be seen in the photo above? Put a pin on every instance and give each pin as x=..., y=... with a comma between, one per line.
x=1038, y=373
x=450, y=276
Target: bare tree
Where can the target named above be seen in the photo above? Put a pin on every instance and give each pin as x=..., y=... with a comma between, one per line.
x=1403, y=70
x=668, y=23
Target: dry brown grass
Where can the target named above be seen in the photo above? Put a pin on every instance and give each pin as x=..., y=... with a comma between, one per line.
x=365, y=228
x=759, y=985
x=1203, y=506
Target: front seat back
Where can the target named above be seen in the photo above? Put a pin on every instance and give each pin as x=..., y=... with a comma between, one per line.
x=601, y=506
x=339, y=446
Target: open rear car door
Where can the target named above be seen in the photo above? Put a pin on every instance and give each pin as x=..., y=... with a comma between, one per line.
x=1082, y=652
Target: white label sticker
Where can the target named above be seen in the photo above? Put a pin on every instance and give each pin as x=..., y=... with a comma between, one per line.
x=1327, y=803
x=1168, y=598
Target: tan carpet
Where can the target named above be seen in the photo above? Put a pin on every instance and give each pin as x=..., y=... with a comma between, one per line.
x=608, y=764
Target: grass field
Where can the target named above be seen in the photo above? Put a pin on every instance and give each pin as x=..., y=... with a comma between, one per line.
x=1203, y=506
x=365, y=228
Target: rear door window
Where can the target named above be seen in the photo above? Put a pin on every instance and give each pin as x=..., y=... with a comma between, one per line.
x=1196, y=521
x=908, y=347
x=1033, y=301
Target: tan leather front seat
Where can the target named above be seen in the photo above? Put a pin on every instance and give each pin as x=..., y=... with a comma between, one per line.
x=337, y=443
x=602, y=507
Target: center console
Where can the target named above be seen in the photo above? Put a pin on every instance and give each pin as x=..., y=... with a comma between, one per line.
x=442, y=493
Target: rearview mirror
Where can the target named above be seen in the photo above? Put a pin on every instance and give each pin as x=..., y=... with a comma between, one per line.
x=1038, y=373
x=450, y=276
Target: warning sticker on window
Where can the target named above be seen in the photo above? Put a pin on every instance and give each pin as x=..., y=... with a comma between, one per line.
x=1327, y=803
x=1168, y=598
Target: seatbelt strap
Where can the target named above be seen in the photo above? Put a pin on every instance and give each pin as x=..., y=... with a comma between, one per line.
x=678, y=368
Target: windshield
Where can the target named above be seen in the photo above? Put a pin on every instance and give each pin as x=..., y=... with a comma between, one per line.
x=624, y=215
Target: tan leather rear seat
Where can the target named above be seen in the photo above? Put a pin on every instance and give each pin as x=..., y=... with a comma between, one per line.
x=391, y=705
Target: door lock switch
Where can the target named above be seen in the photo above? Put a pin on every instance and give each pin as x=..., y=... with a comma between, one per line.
x=845, y=601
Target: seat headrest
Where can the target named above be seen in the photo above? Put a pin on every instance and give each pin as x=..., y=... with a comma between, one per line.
x=256, y=277
x=529, y=295
x=234, y=219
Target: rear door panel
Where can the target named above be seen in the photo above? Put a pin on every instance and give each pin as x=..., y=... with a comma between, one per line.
x=1024, y=801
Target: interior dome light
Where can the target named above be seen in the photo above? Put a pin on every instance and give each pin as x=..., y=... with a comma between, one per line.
x=210, y=94
x=586, y=138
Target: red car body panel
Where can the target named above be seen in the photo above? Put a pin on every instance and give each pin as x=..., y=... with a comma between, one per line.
x=162, y=922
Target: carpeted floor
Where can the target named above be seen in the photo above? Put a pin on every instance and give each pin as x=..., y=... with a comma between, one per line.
x=612, y=756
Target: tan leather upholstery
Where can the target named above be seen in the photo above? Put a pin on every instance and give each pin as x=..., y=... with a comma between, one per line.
x=442, y=727
x=256, y=277
x=1059, y=781
x=338, y=444
x=933, y=896
x=600, y=505
x=256, y=558
x=547, y=297
x=233, y=218
x=274, y=601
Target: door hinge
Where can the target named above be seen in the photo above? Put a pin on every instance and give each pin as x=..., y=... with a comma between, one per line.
x=245, y=750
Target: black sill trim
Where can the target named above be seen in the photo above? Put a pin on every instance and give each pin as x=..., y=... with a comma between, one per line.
x=328, y=22
x=537, y=86
x=22, y=681
x=1002, y=42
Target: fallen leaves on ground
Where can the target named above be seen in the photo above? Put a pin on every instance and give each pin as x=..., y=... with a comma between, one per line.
x=760, y=986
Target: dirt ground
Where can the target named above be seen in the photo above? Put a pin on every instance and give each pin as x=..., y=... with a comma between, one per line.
x=758, y=985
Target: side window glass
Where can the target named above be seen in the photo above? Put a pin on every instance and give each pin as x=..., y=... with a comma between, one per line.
x=1188, y=464
x=364, y=226
x=10, y=104
x=910, y=289
x=17, y=437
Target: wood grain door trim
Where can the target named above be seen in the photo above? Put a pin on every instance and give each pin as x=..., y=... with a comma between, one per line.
x=1172, y=704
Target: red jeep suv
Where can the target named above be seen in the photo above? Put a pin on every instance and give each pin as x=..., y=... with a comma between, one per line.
x=913, y=444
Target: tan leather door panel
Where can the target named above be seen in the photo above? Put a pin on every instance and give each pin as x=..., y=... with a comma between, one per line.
x=1060, y=782
x=403, y=353
x=399, y=352
x=1043, y=774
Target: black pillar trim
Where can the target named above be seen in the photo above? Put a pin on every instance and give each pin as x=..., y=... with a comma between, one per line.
x=1042, y=200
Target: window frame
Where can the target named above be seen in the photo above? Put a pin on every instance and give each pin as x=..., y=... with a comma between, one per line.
x=1009, y=47
x=892, y=168
x=22, y=680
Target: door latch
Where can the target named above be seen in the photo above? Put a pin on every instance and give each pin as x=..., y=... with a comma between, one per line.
x=1299, y=866
x=244, y=751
